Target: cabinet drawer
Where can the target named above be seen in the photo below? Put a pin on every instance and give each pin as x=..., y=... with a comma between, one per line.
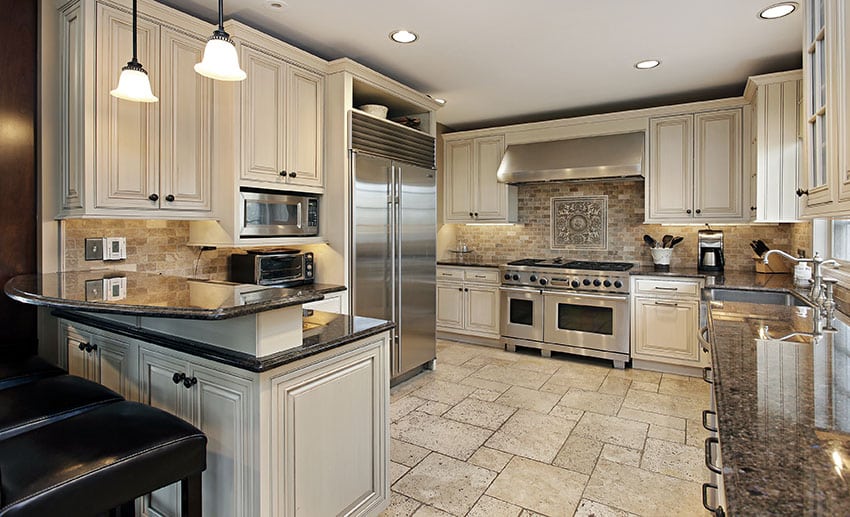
x=449, y=273
x=667, y=288
x=482, y=276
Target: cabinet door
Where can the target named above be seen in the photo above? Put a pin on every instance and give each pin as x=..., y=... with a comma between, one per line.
x=158, y=389
x=72, y=81
x=77, y=360
x=115, y=365
x=718, y=180
x=220, y=407
x=482, y=309
x=491, y=200
x=777, y=151
x=186, y=125
x=127, y=132
x=305, y=112
x=263, y=117
x=666, y=331
x=841, y=13
x=459, y=173
x=449, y=306
x=671, y=175
x=329, y=434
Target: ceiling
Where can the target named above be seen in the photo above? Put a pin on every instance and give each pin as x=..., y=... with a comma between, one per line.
x=499, y=61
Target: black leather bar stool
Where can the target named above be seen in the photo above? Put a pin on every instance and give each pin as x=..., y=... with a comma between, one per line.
x=99, y=460
x=27, y=406
x=18, y=371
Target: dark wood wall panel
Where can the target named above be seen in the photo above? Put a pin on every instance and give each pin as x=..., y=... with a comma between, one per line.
x=18, y=99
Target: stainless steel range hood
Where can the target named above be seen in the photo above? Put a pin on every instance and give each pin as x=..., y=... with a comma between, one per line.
x=586, y=159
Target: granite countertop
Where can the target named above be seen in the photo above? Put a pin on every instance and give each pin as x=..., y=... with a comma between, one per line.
x=783, y=410
x=322, y=331
x=471, y=259
x=149, y=294
x=727, y=279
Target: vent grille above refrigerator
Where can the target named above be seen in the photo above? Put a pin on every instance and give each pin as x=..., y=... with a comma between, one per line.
x=390, y=140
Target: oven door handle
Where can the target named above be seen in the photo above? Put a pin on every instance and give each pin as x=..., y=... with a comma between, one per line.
x=528, y=290
x=591, y=296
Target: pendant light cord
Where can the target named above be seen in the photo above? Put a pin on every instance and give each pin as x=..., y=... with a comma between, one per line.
x=135, y=16
x=220, y=15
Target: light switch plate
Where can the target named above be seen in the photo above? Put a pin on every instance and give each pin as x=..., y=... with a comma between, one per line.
x=94, y=248
x=114, y=248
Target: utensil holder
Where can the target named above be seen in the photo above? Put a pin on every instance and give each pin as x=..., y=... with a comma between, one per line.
x=661, y=256
x=775, y=264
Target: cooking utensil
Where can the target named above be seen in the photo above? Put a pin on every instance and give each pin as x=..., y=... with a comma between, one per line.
x=676, y=240
x=763, y=247
x=665, y=241
x=755, y=248
x=650, y=241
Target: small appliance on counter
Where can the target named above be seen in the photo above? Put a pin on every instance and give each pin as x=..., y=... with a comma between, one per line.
x=710, y=250
x=274, y=268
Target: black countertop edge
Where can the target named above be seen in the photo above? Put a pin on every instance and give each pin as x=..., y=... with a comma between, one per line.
x=468, y=263
x=322, y=288
x=311, y=345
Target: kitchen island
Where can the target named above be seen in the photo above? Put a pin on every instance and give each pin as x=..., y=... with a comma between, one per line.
x=782, y=391
x=295, y=408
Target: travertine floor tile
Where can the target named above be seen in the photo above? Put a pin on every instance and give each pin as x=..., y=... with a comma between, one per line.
x=579, y=454
x=587, y=508
x=446, y=392
x=446, y=436
x=406, y=453
x=637, y=375
x=622, y=455
x=666, y=433
x=452, y=373
x=483, y=414
x=538, y=364
x=430, y=511
x=482, y=361
x=434, y=408
x=397, y=470
x=542, y=488
x=643, y=492
x=490, y=507
x=678, y=385
x=400, y=506
x=594, y=401
x=615, y=386
x=484, y=384
x=533, y=435
x=567, y=413
x=525, y=398
x=454, y=354
x=490, y=459
x=674, y=459
x=682, y=407
x=485, y=395
x=696, y=433
x=576, y=377
x=409, y=386
x=403, y=406
x=651, y=387
x=612, y=429
x=445, y=483
x=652, y=418
x=513, y=376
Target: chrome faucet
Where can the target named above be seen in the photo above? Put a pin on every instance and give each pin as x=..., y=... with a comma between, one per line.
x=820, y=296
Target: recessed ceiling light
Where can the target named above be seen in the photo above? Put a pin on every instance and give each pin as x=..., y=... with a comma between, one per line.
x=778, y=10
x=403, y=36
x=647, y=64
x=438, y=100
x=275, y=4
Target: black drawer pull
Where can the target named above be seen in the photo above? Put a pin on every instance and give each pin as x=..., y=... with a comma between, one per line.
x=188, y=383
x=709, y=462
x=717, y=511
x=705, y=372
x=705, y=413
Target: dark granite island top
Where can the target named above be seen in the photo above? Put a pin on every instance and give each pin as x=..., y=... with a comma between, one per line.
x=783, y=407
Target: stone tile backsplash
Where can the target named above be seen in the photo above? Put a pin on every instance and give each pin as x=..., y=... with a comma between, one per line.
x=531, y=238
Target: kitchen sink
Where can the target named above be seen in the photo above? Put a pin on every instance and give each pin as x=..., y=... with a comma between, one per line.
x=719, y=294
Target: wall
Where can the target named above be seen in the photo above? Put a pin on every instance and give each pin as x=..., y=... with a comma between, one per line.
x=531, y=237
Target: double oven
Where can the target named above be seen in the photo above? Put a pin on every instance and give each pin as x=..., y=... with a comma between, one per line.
x=567, y=307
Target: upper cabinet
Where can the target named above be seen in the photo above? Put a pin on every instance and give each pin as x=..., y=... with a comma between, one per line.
x=471, y=191
x=127, y=159
x=776, y=146
x=825, y=176
x=282, y=107
x=695, y=168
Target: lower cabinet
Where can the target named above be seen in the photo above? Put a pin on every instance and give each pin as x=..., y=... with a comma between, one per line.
x=111, y=361
x=331, y=303
x=468, y=303
x=665, y=318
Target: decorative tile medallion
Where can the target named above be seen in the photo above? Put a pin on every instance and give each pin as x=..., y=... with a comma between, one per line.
x=580, y=223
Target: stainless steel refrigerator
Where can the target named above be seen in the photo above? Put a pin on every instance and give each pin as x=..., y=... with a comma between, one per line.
x=393, y=252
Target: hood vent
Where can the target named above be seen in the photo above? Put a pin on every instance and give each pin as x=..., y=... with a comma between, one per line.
x=592, y=158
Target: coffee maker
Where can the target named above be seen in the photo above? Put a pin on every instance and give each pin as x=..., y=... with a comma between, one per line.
x=710, y=250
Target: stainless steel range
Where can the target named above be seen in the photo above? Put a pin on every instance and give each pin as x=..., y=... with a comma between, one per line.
x=577, y=307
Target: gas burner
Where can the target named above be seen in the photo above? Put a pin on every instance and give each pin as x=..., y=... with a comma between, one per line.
x=574, y=275
x=599, y=266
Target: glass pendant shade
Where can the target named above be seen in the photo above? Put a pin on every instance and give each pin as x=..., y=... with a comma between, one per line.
x=134, y=84
x=220, y=61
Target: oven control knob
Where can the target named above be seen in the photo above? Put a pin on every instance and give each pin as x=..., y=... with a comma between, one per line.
x=543, y=281
x=597, y=282
x=507, y=276
x=618, y=284
x=515, y=277
x=574, y=283
x=607, y=283
x=585, y=282
x=533, y=278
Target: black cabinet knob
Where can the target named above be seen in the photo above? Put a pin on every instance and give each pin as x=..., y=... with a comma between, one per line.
x=465, y=290
x=82, y=346
x=752, y=208
x=470, y=214
x=169, y=198
x=90, y=348
x=283, y=173
x=801, y=192
x=699, y=211
x=476, y=214
x=688, y=211
x=460, y=289
x=188, y=383
x=292, y=174
x=177, y=377
x=154, y=197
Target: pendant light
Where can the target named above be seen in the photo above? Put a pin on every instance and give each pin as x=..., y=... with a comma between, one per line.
x=134, y=84
x=220, y=61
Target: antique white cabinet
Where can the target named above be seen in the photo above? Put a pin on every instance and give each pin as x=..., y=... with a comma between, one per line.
x=468, y=301
x=695, y=168
x=109, y=360
x=472, y=192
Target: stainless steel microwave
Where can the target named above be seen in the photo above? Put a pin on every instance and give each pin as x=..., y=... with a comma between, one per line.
x=268, y=214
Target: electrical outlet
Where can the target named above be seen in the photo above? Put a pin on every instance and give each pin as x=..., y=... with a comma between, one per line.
x=94, y=248
x=114, y=248
x=801, y=253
